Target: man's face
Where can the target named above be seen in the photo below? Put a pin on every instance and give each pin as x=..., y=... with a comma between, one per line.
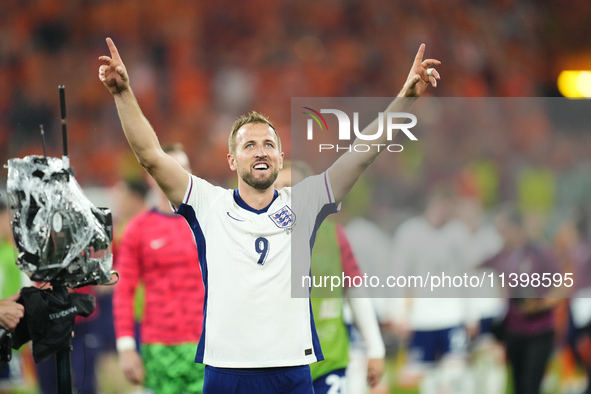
x=257, y=158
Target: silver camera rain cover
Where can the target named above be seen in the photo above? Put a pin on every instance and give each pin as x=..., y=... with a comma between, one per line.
x=60, y=235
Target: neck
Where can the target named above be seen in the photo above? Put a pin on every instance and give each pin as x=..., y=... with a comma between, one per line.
x=257, y=199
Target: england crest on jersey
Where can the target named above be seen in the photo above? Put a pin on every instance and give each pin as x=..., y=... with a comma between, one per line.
x=284, y=218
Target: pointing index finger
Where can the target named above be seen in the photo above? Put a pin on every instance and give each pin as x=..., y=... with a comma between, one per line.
x=113, y=49
x=419, y=57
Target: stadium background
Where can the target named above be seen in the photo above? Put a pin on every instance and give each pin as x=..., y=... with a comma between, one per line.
x=196, y=66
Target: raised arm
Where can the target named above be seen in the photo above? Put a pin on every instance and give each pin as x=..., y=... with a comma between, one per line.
x=166, y=171
x=128, y=264
x=348, y=168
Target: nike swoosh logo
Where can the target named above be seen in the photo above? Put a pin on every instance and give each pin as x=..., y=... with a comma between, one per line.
x=157, y=243
x=238, y=220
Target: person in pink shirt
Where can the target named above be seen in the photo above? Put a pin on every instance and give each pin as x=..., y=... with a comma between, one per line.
x=158, y=249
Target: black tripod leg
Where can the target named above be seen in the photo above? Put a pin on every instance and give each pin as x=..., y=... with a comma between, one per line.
x=64, y=371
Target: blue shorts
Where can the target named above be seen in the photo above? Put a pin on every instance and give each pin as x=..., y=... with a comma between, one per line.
x=283, y=380
x=334, y=382
x=486, y=325
x=430, y=346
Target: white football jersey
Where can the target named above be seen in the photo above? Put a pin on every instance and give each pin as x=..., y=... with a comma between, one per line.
x=250, y=319
x=419, y=248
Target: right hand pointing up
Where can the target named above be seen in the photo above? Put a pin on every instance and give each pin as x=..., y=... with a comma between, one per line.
x=112, y=72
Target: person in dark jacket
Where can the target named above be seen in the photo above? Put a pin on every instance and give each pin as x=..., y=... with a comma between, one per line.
x=528, y=327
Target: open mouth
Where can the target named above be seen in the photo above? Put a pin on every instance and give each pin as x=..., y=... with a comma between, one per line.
x=261, y=166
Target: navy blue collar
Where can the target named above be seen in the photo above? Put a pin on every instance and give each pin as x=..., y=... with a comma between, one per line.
x=244, y=205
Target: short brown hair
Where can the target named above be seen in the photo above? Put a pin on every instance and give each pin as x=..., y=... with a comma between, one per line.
x=253, y=117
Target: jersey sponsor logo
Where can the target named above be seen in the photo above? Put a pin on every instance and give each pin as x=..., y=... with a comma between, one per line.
x=283, y=218
x=238, y=220
x=157, y=243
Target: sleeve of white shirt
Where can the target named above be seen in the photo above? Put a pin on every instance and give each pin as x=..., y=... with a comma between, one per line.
x=367, y=323
x=313, y=193
x=401, y=260
x=201, y=194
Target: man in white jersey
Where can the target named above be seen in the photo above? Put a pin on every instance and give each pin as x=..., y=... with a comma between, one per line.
x=255, y=338
x=487, y=355
x=435, y=327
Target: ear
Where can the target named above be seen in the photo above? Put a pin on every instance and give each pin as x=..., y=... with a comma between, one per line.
x=281, y=161
x=232, y=161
